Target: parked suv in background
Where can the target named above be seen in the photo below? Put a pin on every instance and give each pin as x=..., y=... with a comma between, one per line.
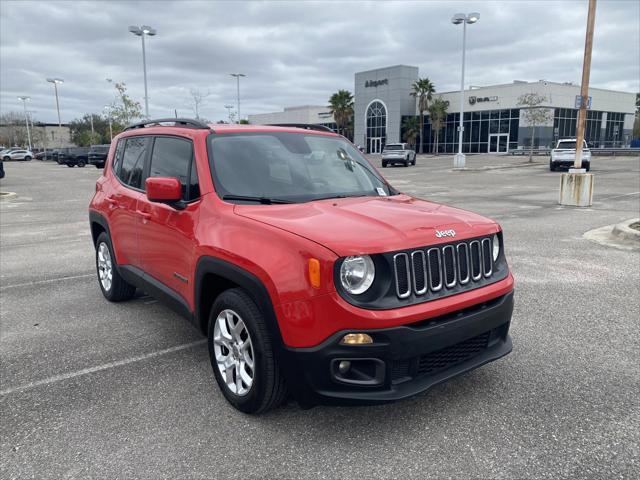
x=74, y=156
x=98, y=155
x=398, y=153
x=564, y=155
x=308, y=272
x=25, y=155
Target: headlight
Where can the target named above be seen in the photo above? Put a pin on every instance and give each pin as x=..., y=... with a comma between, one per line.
x=496, y=247
x=357, y=274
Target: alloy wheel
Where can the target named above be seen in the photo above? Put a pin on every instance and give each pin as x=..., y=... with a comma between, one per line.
x=105, y=266
x=234, y=352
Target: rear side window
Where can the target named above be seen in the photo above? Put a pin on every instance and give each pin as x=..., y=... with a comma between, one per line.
x=132, y=165
x=117, y=157
x=173, y=157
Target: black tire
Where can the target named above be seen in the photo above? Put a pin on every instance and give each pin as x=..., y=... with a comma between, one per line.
x=119, y=290
x=384, y=164
x=27, y=158
x=552, y=167
x=59, y=161
x=406, y=163
x=70, y=165
x=81, y=163
x=6, y=159
x=587, y=167
x=268, y=389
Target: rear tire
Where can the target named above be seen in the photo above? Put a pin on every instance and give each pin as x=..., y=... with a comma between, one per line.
x=384, y=164
x=113, y=286
x=552, y=167
x=237, y=327
x=70, y=165
x=81, y=163
x=27, y=158
x=6, y=159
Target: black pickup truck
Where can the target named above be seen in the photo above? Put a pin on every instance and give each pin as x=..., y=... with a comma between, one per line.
x=98, y=155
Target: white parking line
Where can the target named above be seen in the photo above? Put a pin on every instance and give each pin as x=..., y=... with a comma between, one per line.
x=49, y=280
x=99, y=368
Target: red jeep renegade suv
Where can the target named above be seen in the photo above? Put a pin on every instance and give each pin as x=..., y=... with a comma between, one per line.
x=308, y=272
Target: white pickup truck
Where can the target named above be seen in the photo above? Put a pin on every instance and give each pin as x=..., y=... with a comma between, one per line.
x=565, y=154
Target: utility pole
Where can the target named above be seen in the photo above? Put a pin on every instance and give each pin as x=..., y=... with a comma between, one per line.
x=26, y=117
x=584, y=88
x=238, y=75
x=576, y=187
x=229, y=107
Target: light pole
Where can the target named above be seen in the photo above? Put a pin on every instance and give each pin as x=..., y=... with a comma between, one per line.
x=457, y=19
x=238, y=75
x=229, y=107
x=26, y=117
x=108, y=109
x=55, y=82
x=141, y=32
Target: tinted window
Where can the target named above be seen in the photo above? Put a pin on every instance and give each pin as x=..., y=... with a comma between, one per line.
x=133, y=161
x=194, y=186
x=172, y=158
x=118, y=156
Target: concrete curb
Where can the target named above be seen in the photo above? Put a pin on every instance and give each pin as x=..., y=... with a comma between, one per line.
x=625, y=232
x=6, y=196
x=493, y=167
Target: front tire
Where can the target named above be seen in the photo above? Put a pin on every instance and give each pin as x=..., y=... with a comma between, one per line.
x=70, y=165
x=27, y=158
x=113, y=286
x=552, y=167
x=6, y=159
x=241, y=353
x=81, y=163
x=384, y=164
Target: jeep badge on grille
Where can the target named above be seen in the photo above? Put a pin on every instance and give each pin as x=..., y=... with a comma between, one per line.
x=445, y=233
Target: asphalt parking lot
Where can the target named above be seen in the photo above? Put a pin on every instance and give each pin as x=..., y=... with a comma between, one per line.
x=91, y=389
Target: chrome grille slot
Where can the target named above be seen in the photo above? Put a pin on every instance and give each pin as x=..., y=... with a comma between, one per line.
x=444, y=269
x=487, y=257
x=419, y=272
x=435, y=275
x=463, y=264
x=449, y=266
x=401, y=268
x=476, y=260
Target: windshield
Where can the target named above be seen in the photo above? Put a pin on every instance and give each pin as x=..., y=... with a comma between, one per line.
x=290, y=167
x=393, y=147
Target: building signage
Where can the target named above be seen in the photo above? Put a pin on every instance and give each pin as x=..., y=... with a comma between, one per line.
x=376, y=83
x=473, y=99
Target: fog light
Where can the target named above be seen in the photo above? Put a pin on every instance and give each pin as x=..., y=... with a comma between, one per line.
x=356, y=339
x=344, y=366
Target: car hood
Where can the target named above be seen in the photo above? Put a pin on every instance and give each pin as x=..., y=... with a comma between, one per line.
x=353, y=226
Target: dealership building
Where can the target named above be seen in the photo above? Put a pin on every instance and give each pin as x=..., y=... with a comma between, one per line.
x=493, y=120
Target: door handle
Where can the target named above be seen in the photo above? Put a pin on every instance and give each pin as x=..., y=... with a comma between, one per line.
x=144, y=215
x=111, y=201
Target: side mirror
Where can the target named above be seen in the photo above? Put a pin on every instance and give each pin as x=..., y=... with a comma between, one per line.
x=163, y=189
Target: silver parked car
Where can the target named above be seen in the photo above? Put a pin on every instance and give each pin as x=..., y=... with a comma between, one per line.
x=17, y=155
x=565, y=154
x=398, y=153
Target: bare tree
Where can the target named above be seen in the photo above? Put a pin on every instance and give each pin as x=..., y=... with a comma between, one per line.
x=14, y=128
x=198, y=99
x=533, y=114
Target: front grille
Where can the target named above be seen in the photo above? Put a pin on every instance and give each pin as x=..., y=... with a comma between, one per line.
x=461, y=266
x=434, y=362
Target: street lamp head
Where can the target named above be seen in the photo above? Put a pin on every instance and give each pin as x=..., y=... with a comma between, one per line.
x=147, y=30
x=473, y=17
x=237, y=75
x=55, y=80
x=135, y=30
x=24, y=98
x=458, y=18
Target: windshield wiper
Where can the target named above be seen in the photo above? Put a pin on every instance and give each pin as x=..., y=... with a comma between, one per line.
x=263, y=200
x=337, y=196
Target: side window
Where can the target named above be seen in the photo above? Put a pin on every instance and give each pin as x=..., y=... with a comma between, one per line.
x=133, y=161
x=117, y=156
x=172, y=157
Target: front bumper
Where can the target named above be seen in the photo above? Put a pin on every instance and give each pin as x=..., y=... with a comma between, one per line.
x=403, y=361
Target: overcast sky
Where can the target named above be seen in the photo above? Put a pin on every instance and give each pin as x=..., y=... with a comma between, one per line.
x=294, y=53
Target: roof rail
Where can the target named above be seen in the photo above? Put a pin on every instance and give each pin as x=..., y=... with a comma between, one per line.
x=306, y=126
x=178, y=122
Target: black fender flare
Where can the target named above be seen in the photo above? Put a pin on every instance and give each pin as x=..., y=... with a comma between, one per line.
x=254, y=287
x=95, y=217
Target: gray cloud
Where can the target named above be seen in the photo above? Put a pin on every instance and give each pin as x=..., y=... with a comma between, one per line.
x=294, y=52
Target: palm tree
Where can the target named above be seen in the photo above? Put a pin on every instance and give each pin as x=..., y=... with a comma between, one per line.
x=423, y=90
x=437, y=114
x=341, y=107
x=411, y=129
